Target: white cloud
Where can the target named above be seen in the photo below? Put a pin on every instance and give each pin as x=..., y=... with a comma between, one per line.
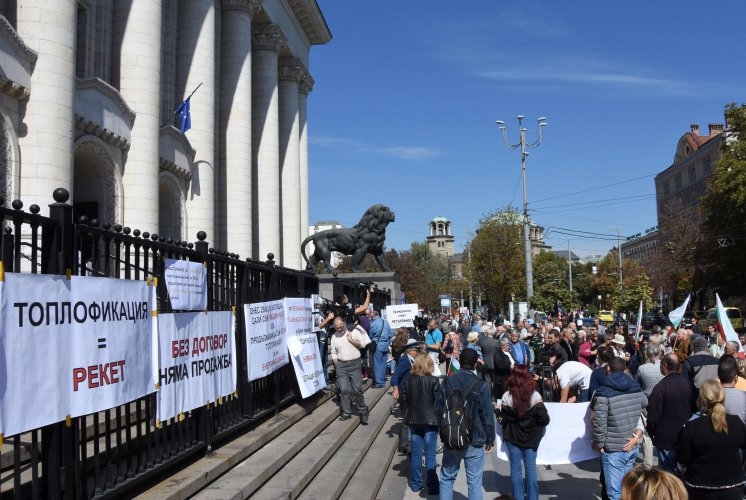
x=354, y=146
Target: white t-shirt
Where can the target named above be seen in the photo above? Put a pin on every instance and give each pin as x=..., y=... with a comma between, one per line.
x=574, y=374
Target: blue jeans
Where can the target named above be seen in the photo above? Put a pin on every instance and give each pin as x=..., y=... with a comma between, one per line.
x=427, y=436
x=615, y=465
x=473, y=463
x=520, y=458
x=379, y=367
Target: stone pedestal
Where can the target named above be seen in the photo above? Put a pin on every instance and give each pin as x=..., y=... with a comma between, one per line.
x=387, y=280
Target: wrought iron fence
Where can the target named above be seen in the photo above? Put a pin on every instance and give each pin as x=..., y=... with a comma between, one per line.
x=111, y=452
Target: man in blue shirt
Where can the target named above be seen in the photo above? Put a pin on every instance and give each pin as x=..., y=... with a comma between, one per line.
x=380, y=334
x=433, y=341
x=518, y=349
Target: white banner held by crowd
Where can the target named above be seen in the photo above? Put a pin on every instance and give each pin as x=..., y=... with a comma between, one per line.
x=186, y=283
x=567, y=439
x=197, y=360
x=266, y=342
x=401, y=315
x=72, y=347
x=303, y=346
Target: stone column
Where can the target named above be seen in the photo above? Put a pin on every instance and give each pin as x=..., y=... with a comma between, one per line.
x=195, y=64
x=267, y=40
x=306, y=85
x=234, y=191
x=49, y=28
x=290, y=72
x=137, y=33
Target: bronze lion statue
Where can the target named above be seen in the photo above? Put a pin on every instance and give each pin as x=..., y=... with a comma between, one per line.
x=366, y=237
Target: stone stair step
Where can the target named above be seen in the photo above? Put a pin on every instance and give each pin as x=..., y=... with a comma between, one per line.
x=334, y=476
x=368, y=477
x=397, y=471
x=200, y=474
x=300, y=471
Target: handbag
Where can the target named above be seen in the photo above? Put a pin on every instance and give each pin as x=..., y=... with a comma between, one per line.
x=448, y=349
x=441, y=356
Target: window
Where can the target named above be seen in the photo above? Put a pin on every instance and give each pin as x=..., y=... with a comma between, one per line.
x=692, y=172
x=707, y=166
x=677, y=181
x=666, y=188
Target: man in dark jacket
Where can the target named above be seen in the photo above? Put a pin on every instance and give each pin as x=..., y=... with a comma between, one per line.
x=489, y=347
x=701, y=365
x=616, y=424
x=670, y=406
x=482, y=432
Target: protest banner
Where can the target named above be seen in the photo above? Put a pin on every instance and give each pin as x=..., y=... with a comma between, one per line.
x=266, y=342
x=71, y=347
x=197, y=360
x=303, y=346
x=186, y=283
x=567, y=439
x=401, y=315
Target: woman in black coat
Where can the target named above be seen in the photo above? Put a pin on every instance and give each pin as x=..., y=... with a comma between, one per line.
x=420, y=416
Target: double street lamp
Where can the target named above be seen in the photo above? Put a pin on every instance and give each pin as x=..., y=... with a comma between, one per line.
x=524, y=146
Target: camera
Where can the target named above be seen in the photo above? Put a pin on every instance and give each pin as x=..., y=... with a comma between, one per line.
x=367, y=285
x=336, y=309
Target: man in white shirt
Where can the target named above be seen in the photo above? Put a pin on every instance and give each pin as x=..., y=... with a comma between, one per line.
x=575, y=376
x=345, y=351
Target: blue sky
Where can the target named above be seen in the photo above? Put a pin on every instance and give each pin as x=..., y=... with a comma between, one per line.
x=407, y=93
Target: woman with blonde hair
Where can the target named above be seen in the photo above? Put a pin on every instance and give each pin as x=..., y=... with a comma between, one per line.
x=643, y=482
x=709, y=447
x=420, y=416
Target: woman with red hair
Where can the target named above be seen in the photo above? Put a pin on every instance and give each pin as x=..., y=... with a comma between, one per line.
x=524, y=419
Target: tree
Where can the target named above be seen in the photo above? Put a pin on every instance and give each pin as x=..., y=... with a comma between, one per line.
x=495, y=261
x=551, y=283
x=672, y=267
x=723, y=210
x=635, y=284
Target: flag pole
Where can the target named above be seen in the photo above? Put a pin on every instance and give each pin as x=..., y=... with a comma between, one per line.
x=190, y=96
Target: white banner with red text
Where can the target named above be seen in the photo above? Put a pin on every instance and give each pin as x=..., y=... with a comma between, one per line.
x=197, y=362
x=70, y=347
x=266, y=342
x=303, y=346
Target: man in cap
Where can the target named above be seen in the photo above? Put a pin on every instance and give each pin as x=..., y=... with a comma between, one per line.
x=403, y=367
x=482, y=432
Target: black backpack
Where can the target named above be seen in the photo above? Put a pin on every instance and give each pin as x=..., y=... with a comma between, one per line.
x=455, y=423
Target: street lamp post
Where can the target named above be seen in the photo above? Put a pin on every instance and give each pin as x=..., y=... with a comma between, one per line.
x=524, y=146
x=619, y=250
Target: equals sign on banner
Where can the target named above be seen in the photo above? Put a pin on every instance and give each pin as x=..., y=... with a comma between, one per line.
x=102, y=343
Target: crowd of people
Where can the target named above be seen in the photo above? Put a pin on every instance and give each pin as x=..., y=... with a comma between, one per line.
x=679, y=392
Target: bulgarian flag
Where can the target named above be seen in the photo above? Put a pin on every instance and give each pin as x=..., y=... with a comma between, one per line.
x=725, y=327
x=454, y=367
x=678, y=314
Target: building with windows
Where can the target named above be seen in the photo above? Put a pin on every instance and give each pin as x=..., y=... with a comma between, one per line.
x=89, y=91
x=680, y=186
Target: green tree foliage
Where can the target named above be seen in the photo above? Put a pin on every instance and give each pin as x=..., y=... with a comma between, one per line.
x=551, y=283
x=723, y=210
x=495, y=261
x=636, y=284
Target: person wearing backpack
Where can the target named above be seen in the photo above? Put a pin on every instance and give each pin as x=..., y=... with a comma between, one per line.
x=466, y=424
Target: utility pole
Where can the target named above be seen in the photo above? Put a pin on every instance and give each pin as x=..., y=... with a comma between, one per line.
x=569, y=263
x=526, y=223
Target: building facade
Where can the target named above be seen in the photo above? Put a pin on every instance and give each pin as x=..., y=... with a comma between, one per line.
x=89, y=90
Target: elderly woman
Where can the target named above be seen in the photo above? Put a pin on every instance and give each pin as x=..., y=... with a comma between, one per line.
x=584, y=348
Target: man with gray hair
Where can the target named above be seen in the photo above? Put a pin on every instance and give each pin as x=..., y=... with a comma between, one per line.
x=489, y=347
x=701, y=365
x=648, y=375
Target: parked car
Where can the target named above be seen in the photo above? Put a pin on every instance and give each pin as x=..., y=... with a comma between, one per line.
x=606, y=316
x=686, y=322
x=587, y=322
x=733, y=313
x=652, y=318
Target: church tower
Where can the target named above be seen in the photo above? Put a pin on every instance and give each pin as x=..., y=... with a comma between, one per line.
x=440, y=239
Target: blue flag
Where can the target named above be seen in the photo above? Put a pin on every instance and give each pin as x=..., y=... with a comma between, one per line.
x=184, y=116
